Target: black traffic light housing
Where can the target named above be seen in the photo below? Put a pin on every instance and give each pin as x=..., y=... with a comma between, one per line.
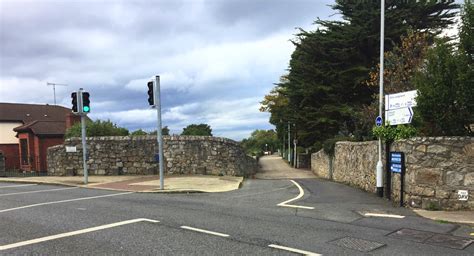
x=151, y=100
x=86, y=108
x=74, y=102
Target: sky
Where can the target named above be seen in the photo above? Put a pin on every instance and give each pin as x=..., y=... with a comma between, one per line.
x=216, y=58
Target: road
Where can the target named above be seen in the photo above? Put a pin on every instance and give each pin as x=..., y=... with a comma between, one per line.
x=259, y=219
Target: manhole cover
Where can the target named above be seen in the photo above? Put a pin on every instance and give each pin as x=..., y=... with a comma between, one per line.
x=357, y=244
x=454, y=242
x=412, y=235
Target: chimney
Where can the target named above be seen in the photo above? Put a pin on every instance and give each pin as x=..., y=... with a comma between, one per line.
x=71, y=119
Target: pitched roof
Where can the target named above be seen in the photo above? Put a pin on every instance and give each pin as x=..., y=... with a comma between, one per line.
x=27, y=113
x=43, y=127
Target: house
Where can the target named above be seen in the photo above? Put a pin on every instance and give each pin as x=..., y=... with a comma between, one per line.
x=27, y=130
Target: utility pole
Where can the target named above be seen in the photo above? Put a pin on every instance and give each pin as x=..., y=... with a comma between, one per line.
x=379, y=170
x=54, y=89
x=289, y=143
x=159, y=134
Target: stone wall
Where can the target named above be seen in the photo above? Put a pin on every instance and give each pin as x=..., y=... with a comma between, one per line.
x=116, y=155
x=321, y=164
x=436, y=168
x=354, y=164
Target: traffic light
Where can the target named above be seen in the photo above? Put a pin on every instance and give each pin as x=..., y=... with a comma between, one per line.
x=151, y=100
x=74, y=102
x=86, y=102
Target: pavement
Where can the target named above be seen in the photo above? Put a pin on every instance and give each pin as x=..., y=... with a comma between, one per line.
x=264, y=217
x=149, y=183
x=273, y=167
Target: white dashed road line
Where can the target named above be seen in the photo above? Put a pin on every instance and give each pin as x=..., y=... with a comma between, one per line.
x=17, y=186
x=205, y=231
x=64, y=201
x=37, y=191
x=384, y=215
x=303, y=252
x=301, y=194
x=73, y=233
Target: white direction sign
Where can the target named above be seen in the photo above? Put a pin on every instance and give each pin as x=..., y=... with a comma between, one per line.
x=400, y=100
x=399, y=116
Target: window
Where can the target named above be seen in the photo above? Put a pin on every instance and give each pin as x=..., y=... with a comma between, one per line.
x=24, y=151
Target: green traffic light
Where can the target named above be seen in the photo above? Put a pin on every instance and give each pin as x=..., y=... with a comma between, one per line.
x=86, y=109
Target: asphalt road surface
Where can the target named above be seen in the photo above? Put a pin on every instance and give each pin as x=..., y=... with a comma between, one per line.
x=261, y=218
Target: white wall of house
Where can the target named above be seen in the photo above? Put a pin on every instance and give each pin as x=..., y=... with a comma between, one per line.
x=7, y=135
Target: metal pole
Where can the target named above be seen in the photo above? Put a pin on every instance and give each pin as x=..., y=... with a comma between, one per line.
x=289, y=143
x=83, y=135
x=295, y=155
x=54, y=93
x=159, y=135
x=283, y=146
x=379, y=163
x=54, y=89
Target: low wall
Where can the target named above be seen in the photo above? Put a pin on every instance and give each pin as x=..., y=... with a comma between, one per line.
x=115, y=155
x=436, y=169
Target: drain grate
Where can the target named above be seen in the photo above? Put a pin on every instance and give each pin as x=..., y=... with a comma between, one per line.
x=357, y=244
x=454, y=242
x=443, y=240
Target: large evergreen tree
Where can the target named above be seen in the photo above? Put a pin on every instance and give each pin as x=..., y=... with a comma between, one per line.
x=325, y=87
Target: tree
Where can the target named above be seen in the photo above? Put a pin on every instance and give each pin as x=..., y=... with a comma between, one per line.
x=326, y=85
x=138, y=132
x=97, y=128
x=259, y=141
x=445, y=86
x=197, y=130
x=164, y=131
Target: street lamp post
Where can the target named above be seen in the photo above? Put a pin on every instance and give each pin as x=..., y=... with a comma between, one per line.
x=379, y=162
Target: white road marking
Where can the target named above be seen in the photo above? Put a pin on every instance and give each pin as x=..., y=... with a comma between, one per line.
x=73, y=233
x=37, y=191
x=205, y=231
x=294, y=250
x=384, y=215
x=63, y=201
x=17, y=186
x=301, y=194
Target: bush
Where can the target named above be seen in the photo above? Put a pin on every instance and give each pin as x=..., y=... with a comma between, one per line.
x=97, y=128
x=393, y=133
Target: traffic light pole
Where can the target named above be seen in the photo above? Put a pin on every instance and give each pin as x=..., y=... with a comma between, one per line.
x=83, y=135
x=159, y=135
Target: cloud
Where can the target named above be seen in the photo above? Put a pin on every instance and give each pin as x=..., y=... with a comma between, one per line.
x=216, y=59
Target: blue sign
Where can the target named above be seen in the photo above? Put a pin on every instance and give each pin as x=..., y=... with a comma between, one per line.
x=157, y=158
x=397, y=162
x=378, y=121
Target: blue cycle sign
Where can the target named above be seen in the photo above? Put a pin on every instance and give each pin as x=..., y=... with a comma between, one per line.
x=397, y=162
x=378, y=121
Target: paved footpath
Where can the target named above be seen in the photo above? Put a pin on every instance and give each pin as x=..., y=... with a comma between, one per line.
x=273, y=167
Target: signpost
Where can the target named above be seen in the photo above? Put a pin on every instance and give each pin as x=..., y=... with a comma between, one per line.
x=399, y=116
x=397, y=165
x=398, y=107
x=400, y=100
